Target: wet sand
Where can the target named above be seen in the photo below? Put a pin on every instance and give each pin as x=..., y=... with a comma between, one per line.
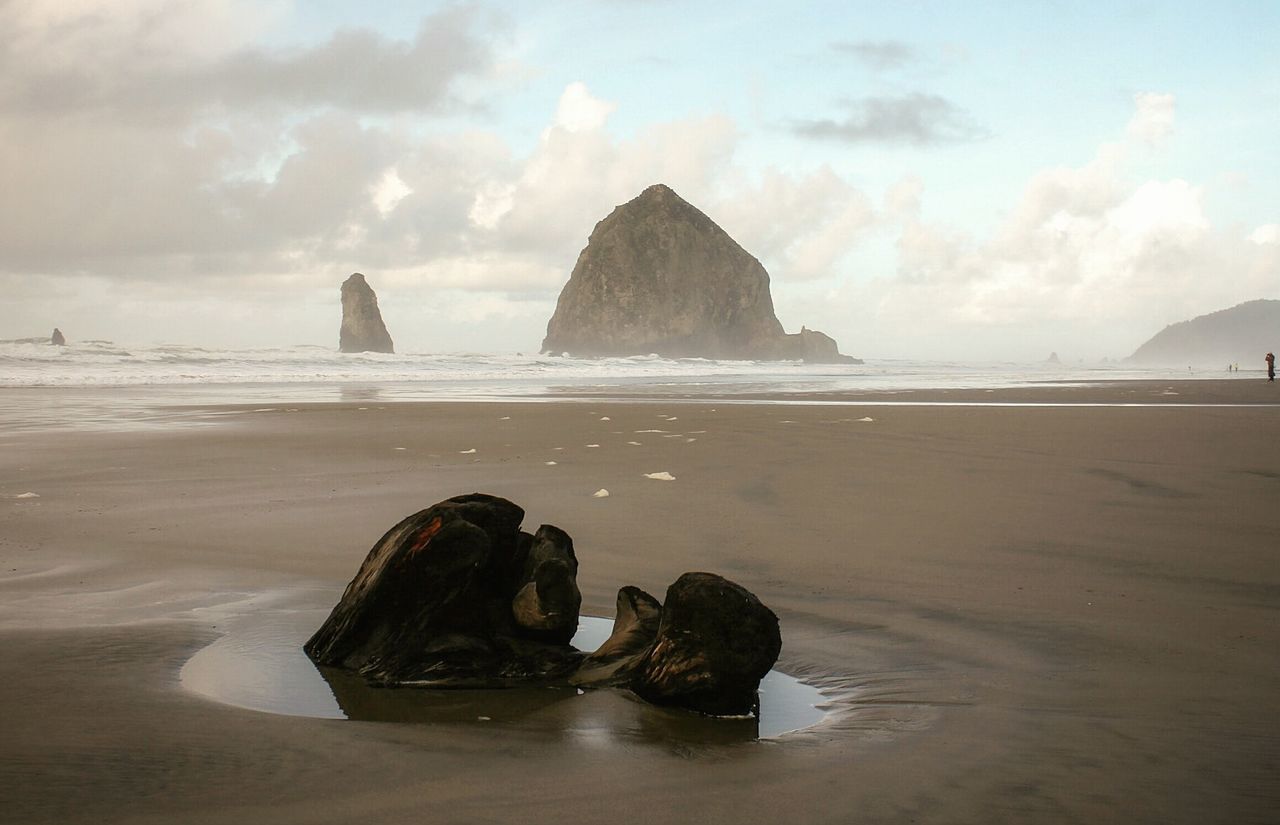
x=1022, y=614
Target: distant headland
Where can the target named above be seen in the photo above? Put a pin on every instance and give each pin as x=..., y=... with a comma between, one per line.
x=1241, y=334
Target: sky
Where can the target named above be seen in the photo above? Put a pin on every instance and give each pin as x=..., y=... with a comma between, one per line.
x=938, y=180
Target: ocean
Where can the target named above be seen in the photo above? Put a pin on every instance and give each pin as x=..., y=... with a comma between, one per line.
x=91, y=383
x=476, y=375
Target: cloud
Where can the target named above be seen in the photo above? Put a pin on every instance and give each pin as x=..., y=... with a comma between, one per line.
x=879, y=55
x=801, y=226
x=1268, y=233
x=918, y=119
x=579, y=111
x=304, y=200
x=1081, y=246
x=144, y=59
x=152, y=140
x=1152, y=121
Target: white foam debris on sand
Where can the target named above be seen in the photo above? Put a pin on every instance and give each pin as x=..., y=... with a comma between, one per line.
x=662, y=476
x=601, y=493
x=650, y=431
x=505, y=418
x=687, y=440
x=866, y=418
x=605, y=418
x=786, y=421
x=634, y=443
x=467, y=452
x=27, y=495
x=400, y=448
x=265, y=409
x=696, y=432
x=549, y=463
x=593, y=445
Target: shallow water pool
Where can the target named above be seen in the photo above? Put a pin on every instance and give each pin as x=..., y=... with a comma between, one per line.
x=259, y=664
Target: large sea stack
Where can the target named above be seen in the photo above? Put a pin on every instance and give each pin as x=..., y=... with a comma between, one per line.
x=362, y=327
x=659, y=276
x=1241, y=334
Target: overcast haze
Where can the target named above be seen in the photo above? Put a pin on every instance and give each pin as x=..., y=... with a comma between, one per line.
x=934, y=180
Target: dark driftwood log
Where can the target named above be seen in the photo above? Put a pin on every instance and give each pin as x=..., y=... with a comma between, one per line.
x=715, y=642
x=635, y=626
x=432, y=604
x=458, y=596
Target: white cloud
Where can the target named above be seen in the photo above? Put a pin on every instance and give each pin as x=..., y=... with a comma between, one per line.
x=1082, y=246
x=389, y=191
x=801, y=227
x=1160, y=208
x=1268, y=233
x=1152, y=122
x=148, y=59
x=579, y=111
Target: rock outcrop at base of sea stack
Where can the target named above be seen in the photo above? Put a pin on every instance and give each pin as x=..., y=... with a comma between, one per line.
x=659, y=276
x=58, y=339
x=362, y=327
x=1241, y=334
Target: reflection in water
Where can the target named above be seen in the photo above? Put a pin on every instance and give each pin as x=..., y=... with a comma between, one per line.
x=359, y=392
x=260, y=665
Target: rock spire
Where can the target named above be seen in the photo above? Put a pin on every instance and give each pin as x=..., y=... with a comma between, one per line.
x=362, y=327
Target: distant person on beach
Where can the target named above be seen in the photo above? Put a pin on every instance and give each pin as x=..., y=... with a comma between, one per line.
x=1271, y=366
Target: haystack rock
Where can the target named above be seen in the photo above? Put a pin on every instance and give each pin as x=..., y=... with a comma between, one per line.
x=362, y=327
x=659, y=276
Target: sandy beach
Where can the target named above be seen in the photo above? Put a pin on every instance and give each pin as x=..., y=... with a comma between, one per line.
x=1019, y=611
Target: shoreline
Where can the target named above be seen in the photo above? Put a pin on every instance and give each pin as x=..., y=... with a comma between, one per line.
x=36, y=409
x=1039, y=614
